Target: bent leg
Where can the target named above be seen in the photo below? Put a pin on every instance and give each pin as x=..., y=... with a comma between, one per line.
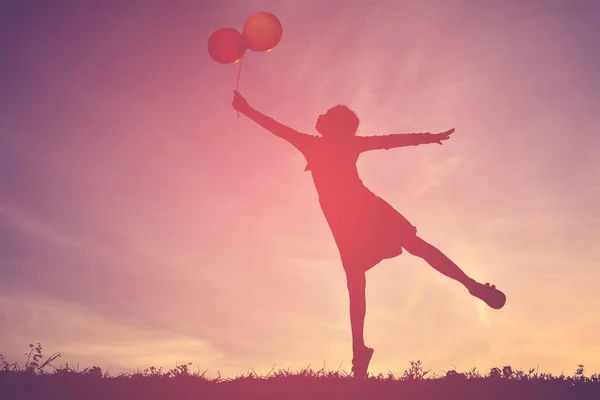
x=438, y=260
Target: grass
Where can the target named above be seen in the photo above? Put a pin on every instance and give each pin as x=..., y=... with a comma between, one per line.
x=40, y=379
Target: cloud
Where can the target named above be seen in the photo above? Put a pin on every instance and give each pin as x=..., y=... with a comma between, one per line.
x=19, y=222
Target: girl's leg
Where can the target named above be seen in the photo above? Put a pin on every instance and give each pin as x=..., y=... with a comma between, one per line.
x=358, y=306
x=357, y=284
x=438, y=260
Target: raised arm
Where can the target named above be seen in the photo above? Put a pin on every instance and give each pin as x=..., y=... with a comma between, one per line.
x=297, y=139
x=387, y=142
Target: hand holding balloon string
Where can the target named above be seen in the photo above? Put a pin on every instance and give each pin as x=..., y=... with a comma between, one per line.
x=239, y=103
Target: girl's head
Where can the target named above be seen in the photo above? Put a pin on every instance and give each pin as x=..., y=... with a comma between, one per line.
x=338, y=121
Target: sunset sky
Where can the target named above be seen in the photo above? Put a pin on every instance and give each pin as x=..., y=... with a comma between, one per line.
x=143, y=223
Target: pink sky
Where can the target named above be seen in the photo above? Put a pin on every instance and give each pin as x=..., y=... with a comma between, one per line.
x=142, y=223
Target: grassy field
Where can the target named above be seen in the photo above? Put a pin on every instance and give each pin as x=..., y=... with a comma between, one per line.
x=39, y=379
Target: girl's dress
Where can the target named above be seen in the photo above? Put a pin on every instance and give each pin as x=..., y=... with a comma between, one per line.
x=365, y=227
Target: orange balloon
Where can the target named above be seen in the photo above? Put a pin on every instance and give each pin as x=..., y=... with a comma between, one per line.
x=263, y=31
x=226, y=45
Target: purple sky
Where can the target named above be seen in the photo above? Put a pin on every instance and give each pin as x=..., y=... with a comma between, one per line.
x=142, y=223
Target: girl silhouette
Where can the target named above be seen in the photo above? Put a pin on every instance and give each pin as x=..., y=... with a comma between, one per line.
x=366, y=229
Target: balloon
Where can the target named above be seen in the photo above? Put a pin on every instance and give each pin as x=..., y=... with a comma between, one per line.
x=262, y=31
x=226, y=45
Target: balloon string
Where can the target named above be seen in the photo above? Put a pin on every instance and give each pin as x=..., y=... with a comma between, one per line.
x=239, y=73
x=237, y=87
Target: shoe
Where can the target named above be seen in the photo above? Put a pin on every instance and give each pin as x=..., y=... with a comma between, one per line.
x=360, y=363
x=488, y=293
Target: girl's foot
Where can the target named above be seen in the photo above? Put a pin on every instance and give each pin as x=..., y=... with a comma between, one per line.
x=488, y=293
x=360, y=362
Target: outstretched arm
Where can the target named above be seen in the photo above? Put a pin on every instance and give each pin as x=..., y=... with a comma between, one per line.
x=387, y=142
x=299, y=140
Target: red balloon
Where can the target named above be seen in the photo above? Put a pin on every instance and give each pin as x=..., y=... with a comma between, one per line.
x=263, y=31
x=226, y=45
